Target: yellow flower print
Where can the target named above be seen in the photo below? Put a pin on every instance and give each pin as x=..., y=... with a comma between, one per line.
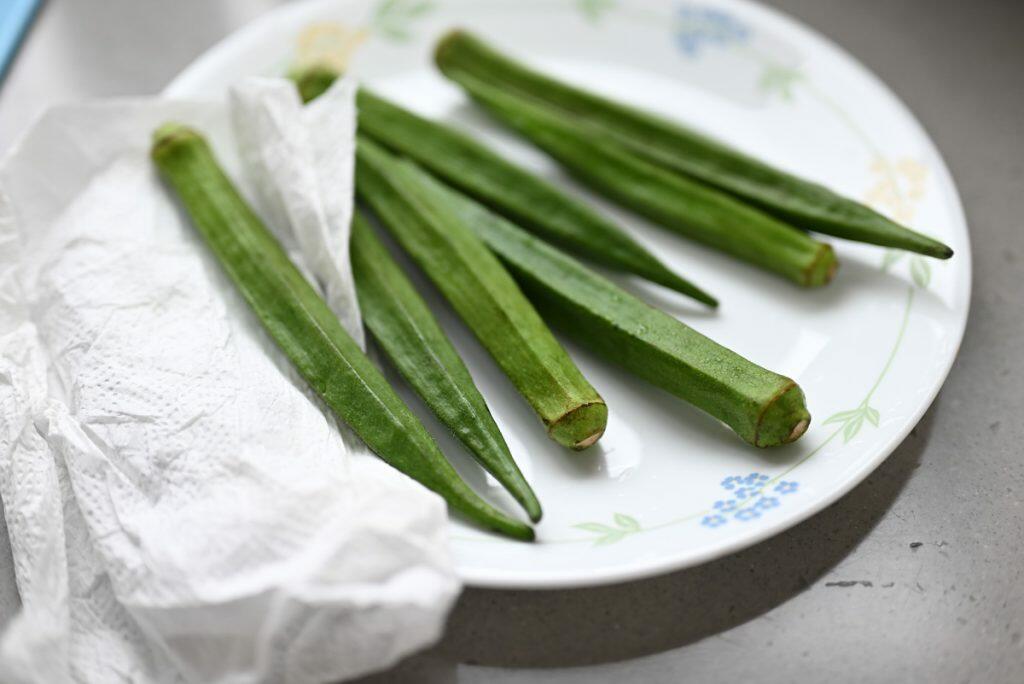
x=329, y=44
x=332, y=44
x=899, y=187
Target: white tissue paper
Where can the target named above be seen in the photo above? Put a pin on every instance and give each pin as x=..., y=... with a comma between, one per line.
x=296, y=176
x=180, y=508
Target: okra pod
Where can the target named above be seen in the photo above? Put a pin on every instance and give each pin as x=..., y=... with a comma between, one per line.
x=305, y=328
x=803, y=203
x=483, y=294
x=527, y=199
x=670, y=199
x=411, y=338
x=764, y=408
x=523, y=197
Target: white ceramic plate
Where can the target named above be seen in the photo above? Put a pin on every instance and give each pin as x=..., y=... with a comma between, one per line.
x=669, y=487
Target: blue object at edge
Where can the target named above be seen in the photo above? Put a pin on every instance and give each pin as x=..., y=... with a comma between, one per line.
x=15, y=18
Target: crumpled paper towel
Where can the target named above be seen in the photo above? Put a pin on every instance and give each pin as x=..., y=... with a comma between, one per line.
x=297, y=170
x=180, y=507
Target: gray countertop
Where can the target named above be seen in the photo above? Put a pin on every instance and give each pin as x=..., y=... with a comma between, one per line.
x=916, y=575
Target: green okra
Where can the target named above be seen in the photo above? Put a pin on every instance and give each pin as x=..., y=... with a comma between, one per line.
x=525, y=198
x=483, y=294
x=313, y=80
x=411, y=338
x=304, y=327
x=764, y=408
x=672, y=200
x=803, y=203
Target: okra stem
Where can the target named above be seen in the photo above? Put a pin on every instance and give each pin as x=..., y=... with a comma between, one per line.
x=411, y=338
x=304, y=327
x=483, y=294
x=803, y=203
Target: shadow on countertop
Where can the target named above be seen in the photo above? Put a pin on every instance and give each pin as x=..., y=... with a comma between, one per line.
x=566, y=628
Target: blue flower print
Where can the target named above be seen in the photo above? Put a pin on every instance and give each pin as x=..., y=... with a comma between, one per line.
x=746, y=514
x=755, y=479
x=748, y=498
x=698, y=26
x=726, y=506
x=785, y=487
x=746, y=487
x=713, y=520
x=744, y=492
x=753, y=486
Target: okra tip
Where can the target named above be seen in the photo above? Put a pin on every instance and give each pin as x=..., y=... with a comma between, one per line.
x=516, y=530
x=527, y=499
x=913, y=241
x=464, y=500
x=312, y=80
x=533, y=510
x=698, y=294
x=939, y=250
x=785, y=419
x=581, y=427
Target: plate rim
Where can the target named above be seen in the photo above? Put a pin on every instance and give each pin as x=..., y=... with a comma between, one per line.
x=183, y=84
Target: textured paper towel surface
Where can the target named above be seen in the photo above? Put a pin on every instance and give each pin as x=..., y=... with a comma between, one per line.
x=297, y=157
x=178, y=506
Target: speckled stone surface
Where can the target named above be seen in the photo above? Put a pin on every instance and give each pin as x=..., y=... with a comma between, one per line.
x=916, y=575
